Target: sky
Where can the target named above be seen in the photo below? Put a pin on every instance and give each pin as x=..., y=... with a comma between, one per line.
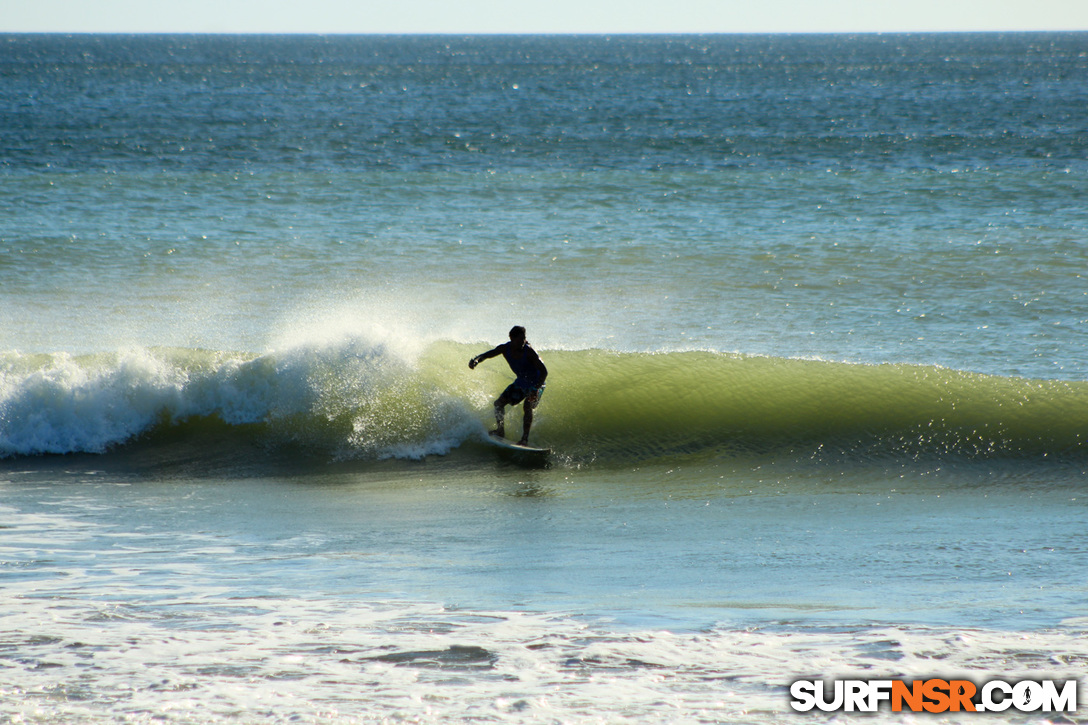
x=538, y=16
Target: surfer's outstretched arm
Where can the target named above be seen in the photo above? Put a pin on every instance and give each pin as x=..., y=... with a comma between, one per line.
x=484, y=356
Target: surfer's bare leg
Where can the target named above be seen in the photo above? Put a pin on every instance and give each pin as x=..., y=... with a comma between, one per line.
x=528, y=420
x=530, y=403
x=500, y=416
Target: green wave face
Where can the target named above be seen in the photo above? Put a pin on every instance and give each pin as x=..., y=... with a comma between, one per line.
x=617, y=404
x=355, y=400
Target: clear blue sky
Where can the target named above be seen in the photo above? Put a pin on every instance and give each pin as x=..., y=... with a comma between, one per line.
x=538, y=16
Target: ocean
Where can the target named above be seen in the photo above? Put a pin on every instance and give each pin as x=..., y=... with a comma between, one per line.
x=814, y=308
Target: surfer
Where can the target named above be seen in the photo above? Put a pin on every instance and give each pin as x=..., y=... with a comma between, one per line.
x=528, y=386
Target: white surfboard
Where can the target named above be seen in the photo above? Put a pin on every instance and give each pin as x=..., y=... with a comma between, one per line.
x=511, y=446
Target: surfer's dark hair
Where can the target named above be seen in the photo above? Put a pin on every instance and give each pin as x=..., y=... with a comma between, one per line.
x=517, y=331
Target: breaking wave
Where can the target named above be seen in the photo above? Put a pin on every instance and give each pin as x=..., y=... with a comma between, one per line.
x=356, y=399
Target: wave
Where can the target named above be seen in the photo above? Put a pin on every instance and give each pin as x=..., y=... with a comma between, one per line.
x=698, y=400
x=360, y=400
x=347, y=398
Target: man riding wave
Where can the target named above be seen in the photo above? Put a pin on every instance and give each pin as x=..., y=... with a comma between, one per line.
x=528, y=385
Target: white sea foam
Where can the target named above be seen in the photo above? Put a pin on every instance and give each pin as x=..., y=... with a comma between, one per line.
x=105, y=620
x=62, y=404
x=215, y=660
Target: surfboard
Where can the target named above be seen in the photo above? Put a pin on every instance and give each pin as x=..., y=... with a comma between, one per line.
x=511, y=446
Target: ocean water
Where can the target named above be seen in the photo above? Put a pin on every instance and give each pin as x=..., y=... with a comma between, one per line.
x=815, y=310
